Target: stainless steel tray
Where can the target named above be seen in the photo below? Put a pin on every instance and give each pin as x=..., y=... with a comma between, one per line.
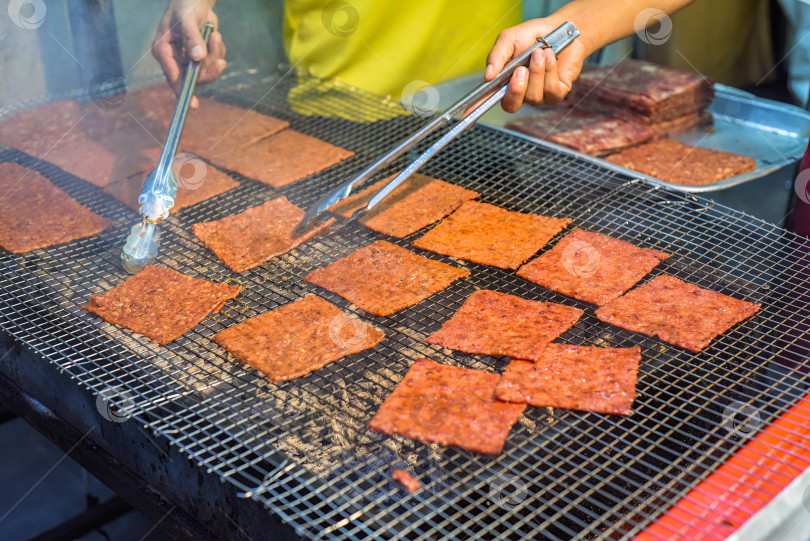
x=773, y=133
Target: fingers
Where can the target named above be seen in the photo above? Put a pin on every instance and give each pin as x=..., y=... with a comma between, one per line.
x=502, y=52
x=192, y=39
x=516, y=92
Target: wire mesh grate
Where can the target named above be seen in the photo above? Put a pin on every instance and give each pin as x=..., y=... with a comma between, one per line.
x=302, y=447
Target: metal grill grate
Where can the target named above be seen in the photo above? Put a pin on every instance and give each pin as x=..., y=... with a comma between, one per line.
x=302, y=447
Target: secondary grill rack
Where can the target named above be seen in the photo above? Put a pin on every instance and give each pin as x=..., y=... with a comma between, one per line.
x=301, y=447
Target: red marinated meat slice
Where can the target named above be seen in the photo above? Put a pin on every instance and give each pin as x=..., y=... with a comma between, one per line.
x=492, y=323
x=677, y=312
x=584, y=378
x=448, y=405
x=297, y=338
x=382, y=278
x=591, y=267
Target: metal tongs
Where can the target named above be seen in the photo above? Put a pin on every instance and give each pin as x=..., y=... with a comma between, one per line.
x=556, y=41
x=160, y=186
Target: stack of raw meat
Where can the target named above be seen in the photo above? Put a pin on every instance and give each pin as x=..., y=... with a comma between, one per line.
x=615, y=107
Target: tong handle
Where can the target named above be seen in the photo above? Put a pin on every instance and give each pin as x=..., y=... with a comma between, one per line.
x=556, y=40
x=181, y=110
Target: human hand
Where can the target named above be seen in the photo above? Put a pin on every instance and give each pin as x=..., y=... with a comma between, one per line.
x=547, y=79
x=178, y=40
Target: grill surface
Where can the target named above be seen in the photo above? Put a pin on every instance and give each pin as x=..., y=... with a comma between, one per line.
x=302, y=447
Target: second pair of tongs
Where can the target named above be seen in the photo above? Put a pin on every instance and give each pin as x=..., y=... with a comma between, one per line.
x=556, y=41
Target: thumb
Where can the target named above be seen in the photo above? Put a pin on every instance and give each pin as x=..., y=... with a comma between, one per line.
x=192, y=40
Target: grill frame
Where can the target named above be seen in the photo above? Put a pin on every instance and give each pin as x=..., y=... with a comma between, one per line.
x=264, y=439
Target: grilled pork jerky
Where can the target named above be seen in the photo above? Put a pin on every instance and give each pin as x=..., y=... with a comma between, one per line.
x=675, y=162
x=641, y=91
x=190, y=192
x=490, y=235
x=677, y=312
x=382, y=278
x=216, y=128
x=590, y=133
x=492, y=323
x=161, y=304
x=574, y=377
x=591, y=267
x=407, y=480
x=281, y=159
x=416, y=203
x=34, y=213
x=297, y=338
x=448, y=405
x=248, y=239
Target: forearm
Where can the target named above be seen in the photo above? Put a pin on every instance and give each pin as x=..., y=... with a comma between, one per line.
x=600, y=25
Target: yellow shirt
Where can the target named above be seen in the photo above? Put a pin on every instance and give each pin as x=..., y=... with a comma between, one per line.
x=382, y=46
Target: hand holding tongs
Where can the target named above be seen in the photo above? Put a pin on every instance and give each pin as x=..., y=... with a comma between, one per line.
x=556, y=40
x=160, y=186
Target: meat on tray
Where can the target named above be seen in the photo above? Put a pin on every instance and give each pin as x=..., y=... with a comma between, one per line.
x=250, y=238
x=34, y=213
x=189, y=192
x=591, y=266
x=416, y=203
x=281, y=159
x=297, y=338
x=448, y=405
x=407, y=480
x=382, y=278
x=161, y=304
x=641, y=91
x=675, y=162
x=492, y=323
x=677, y=312
x=586, y=132
x=583, y=378
x=490, y=235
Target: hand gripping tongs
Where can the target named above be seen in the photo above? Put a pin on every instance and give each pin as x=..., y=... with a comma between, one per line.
x=556, y=41
x=160, y=186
